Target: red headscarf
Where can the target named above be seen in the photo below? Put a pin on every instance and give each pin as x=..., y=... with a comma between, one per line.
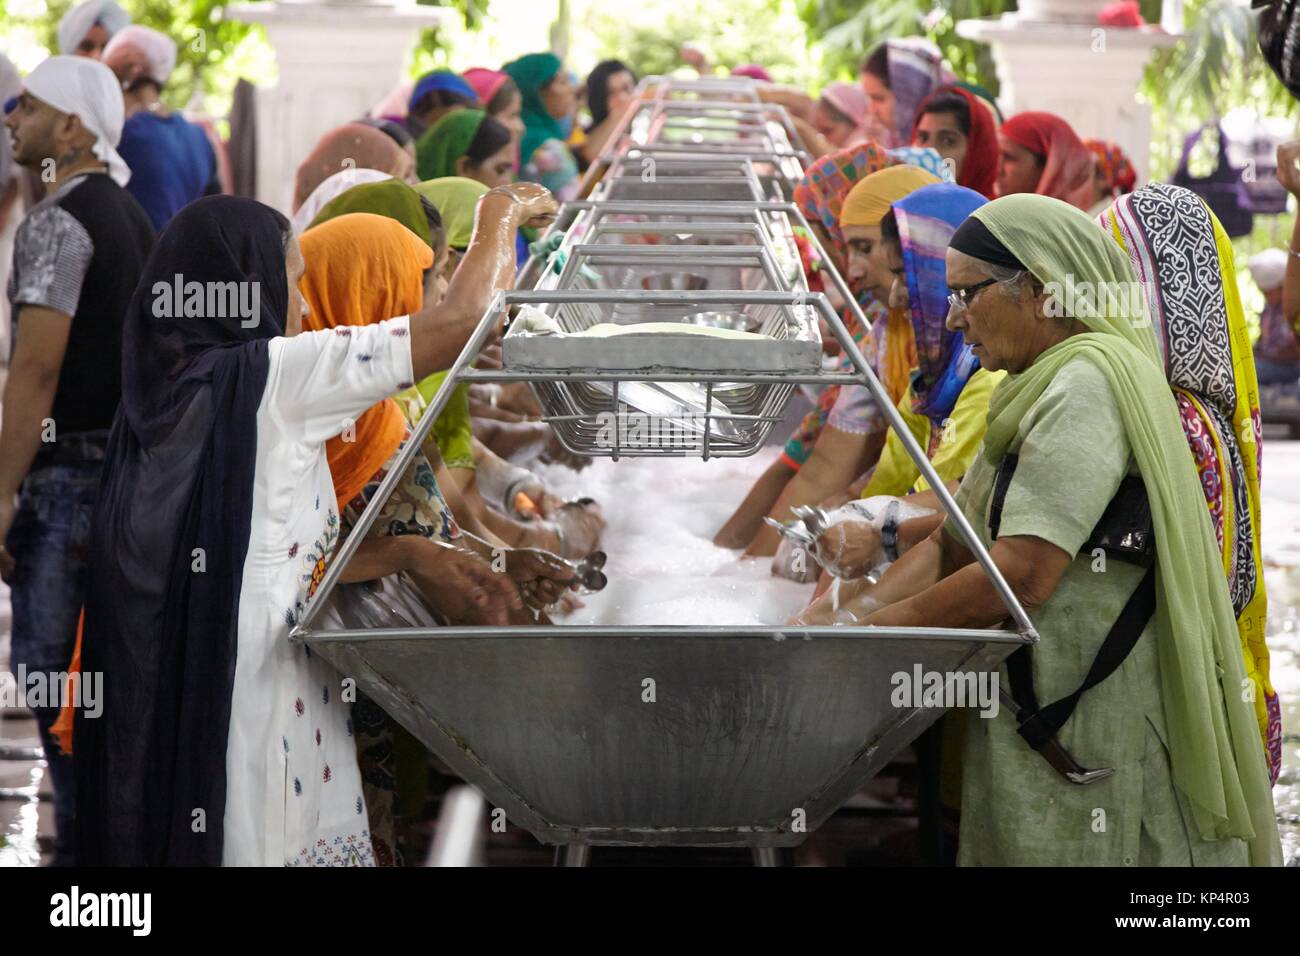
x=485, y=82
x=1067, y=173
x=1114, y=165
x=979, y=170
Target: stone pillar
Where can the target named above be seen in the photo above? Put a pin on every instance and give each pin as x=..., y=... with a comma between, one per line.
x=335, y=61
x=1053, y=56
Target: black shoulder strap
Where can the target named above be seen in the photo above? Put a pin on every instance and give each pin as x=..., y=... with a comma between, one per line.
x=1001, y=483
x=1038, y=726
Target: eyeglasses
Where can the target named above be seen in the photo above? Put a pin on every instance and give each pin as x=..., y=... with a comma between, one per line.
x=960, y=299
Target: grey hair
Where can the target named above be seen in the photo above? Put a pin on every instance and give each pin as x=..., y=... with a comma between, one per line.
x=1012, y=282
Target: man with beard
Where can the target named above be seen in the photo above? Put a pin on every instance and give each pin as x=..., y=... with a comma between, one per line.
x=78, y=255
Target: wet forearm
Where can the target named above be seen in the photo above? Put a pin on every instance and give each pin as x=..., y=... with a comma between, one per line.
x=439, y=333
x=376, y=558
x=966, y=597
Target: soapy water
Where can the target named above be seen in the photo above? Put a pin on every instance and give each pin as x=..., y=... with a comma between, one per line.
x=663, y=567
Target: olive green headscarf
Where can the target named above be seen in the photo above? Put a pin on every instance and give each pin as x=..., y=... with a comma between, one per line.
x=446, y=141
x=1214, y=746
x=456, y=199
x=391, y=198
x=453, y=429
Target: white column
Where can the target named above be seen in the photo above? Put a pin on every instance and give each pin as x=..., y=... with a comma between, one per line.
x=335, y=61
x=1083, y=72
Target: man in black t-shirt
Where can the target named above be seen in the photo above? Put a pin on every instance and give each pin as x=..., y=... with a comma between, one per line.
x=78, y=255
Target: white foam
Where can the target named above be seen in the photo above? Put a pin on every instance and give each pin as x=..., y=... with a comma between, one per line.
x=663, y=567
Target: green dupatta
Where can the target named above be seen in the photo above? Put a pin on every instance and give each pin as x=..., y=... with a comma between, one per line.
x=1214, y=747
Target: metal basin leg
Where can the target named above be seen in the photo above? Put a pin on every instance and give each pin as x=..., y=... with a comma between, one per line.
x=773, y=856
x=575, y=854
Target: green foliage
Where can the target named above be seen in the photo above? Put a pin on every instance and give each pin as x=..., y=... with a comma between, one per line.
x=205, y=40
x=433, y=51
x=768, y=32
x=1216, y=68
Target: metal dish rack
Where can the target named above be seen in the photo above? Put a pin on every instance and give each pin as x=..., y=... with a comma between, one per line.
x=678, y=266
x=654, y=222
x=671, y=115
x=730, y=89
x=759, y=733
x=666, y=394
x=772, y=176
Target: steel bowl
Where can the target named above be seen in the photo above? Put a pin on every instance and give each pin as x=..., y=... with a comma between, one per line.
x=736, y=321
x=674, y=282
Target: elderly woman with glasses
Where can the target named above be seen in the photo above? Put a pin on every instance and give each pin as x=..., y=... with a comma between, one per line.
x=1088, y=502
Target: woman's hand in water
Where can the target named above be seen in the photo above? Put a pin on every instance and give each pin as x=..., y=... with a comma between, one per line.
x=580, y=524
x=852, y=604
x=462, y=585
x=542, y=577
x=849, y=549
x=541, y=504
x=556, y=452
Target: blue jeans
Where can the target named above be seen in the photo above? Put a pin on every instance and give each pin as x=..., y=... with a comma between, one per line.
x=50, y=545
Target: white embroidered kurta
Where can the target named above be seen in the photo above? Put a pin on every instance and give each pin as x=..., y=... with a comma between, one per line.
x=293, y=790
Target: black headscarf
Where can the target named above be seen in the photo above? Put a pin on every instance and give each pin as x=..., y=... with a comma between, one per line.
x=977, y=240
x=1279, y=40
x=598, y=88
x=170, y=536
x=398, y=133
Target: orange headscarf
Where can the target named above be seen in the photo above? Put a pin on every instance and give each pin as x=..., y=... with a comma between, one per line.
x=363, y=269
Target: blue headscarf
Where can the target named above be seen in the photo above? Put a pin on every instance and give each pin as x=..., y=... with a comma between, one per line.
x=446, y=81
x=927, y=218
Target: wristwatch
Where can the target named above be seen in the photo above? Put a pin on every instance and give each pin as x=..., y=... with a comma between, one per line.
x=889, y=531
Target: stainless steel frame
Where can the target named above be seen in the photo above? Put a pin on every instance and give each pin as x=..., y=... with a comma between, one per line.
x=738, y=101
x=755, y=735
x=577, y=220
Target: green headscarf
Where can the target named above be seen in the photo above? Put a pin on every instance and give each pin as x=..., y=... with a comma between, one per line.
x=453, y=429
x=446, y=141
x=456, y=199
x=530, y=74
x=974, y=89
x=391, y=198
x=1214, y=746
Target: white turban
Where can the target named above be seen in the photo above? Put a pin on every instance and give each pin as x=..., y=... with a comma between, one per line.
x=158, y=48
x=88, y=89
x=76, y=23
x=1268, y=268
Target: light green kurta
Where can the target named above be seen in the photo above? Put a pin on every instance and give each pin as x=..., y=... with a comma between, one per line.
x=1015, y=808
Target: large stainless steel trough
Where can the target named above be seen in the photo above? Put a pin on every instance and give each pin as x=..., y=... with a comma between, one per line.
x=682, y=735
x=754, y=735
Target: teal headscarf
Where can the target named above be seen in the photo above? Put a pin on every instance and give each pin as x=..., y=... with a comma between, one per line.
x=530, y=74
x=446, y=141
x=1214, y=750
